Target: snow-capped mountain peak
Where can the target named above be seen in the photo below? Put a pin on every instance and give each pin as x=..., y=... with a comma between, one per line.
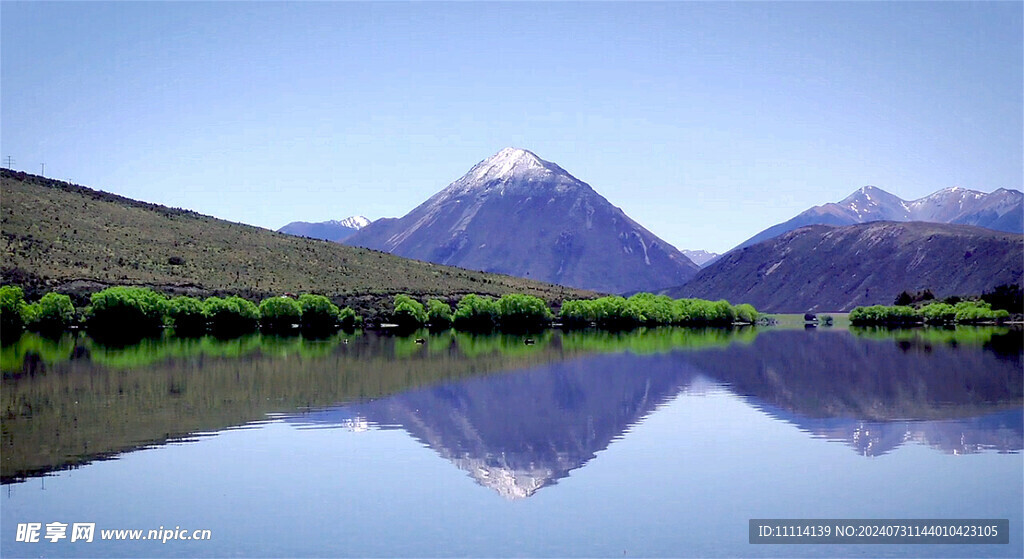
x=354, y=222
x=511, y=171
x=506, y=163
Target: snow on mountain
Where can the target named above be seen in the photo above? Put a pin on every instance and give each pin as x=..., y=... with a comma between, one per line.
x=356, y=222
x=701, y=258
x=1001, y=210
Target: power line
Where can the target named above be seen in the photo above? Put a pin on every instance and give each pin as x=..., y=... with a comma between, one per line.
x=10, y=162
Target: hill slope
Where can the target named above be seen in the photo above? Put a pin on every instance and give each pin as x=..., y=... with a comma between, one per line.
x=822, y=268
x=66, y=237
x=517, y=214
x=1002, y=210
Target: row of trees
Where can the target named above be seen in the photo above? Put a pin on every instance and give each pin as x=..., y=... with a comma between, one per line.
x=515, y=311
x=142, y=310
x=646, y=309
x=474, y=312
x=139, y=310
x=964, y=312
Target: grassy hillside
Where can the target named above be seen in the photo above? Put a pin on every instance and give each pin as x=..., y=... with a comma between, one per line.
x=64, y=237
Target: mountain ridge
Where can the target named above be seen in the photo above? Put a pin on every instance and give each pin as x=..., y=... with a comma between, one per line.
x=331, y=230
x=1000, y=210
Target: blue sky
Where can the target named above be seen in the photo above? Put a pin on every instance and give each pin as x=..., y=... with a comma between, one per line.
x=705, y=122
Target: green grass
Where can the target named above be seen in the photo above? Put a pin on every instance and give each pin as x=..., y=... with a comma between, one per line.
x=61, y=237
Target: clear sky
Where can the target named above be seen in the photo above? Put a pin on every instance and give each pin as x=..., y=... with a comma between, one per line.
x=705, y=122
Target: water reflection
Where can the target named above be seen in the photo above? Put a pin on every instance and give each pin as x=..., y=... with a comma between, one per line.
x=517, y=417
x=518, y=432
x=522, y=431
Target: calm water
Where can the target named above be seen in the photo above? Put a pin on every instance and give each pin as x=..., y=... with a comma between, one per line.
x=649, y=443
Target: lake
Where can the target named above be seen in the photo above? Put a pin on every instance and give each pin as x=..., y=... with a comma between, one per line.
x=653, y=443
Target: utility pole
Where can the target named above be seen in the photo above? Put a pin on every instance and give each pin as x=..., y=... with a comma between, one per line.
x=10, y=162
x=42, y=169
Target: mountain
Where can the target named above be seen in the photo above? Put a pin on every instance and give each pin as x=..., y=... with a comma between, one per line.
x=332, y=230
x=1002, y=210
x=60, y=236
x=824, y=268
x=517, y=214
x=701, y=258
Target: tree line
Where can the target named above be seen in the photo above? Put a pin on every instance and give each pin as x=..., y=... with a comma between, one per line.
x=141, y=310
x=962, y=312
x=517, y=311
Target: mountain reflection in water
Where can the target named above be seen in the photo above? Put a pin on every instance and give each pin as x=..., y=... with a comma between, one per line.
x=520, y=431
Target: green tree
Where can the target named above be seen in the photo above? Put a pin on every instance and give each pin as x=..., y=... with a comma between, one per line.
x=938, y=313
x=439, y=314
x=232, y=315
x=126, y=310
x=517, y=311
x=348, y=319
x=51, y=314
x=187, y=315
x=475, y=313
x=747, y=313
x=319, y=314
x=12, y=309
x=899, y=315
x=278, y=314
x=408, y=313
x=578, y=313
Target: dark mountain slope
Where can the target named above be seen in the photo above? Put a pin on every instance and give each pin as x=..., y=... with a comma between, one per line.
x=821, y=268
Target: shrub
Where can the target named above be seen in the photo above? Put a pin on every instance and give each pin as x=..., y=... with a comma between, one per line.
x=53, y=313
x=318, y=313
x=616, y=312
x=474, y=312
x=522, y=311
x=748, y=314
x=439, y=314
x=721, y=313
x=348, y=319
x=577, y=313
x=881, y=314
x=279, y=313
x=12, y=309
x=408, y=313
x=187, y=315
x=126, y=310
x=969, y=312
x=656, y=309
x=233, y=315
x=938, y=313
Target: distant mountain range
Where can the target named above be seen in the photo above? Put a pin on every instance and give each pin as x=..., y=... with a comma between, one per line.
x=516, y=214
x=1002, y=210
x=825, y=268
x=333, y=230
x=701, y=258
